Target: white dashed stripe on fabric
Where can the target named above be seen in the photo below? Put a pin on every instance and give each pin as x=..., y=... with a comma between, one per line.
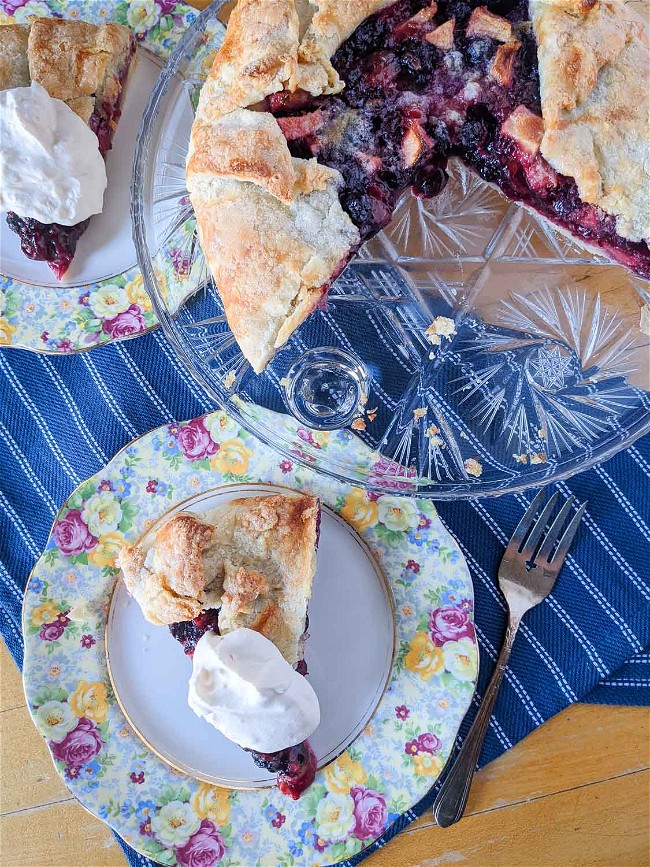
x=63, y=390
x=638, y=458
x=594, y=592
x=633, y=683
x=624, y=502
x=39, y=420
x=558, y=609
x=23, y=532
x=15, y=626
x=579, y=635
x=616, y=556
x=144, y=384
x=606, y=605
x=201, y=396
x=28, y=469
x=108, y=396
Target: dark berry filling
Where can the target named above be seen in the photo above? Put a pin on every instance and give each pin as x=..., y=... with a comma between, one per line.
x=413, y=97
x=295, y=766
x=52, y=242
x=188, y=632
x=47, y=242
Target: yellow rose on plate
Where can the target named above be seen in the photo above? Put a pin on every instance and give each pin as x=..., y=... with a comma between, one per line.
x=6, y=330
x=359, y=510
x=136, y=293
x=423, y=657
x=45, y=613
x=107, y=301
x=398, y=513
x=335, y=817
x=90, y=700
x=105, y=553
x=102, y=513
x=461, y=658
x=211, y=802
x=232, y=457
x=427, y=765
x=142, y=15
x=344, y=774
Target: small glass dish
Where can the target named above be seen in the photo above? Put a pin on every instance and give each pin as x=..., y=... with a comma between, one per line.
x=473, y=348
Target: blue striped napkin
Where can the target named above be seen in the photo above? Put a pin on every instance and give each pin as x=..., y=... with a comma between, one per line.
x=62, y=418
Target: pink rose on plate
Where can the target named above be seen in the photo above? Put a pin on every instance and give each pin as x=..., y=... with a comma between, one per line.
x=10, y=6
x=130, y=321
x=51, y=631
x=449, y=624
x=78, y=746
x=370, y=812
x=204, y=848
x=195, y=441
x=71, y=534
x=166, y=6
x=428, y=743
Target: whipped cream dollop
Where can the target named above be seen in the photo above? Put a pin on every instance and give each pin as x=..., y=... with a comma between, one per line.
x=50, y=166
x=244, y=687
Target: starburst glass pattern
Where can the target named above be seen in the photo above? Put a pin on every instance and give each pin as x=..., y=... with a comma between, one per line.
x=552, y=378
x=494, y=352
x=458, y=223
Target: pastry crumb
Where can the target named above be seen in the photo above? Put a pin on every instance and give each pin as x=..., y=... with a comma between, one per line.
x=538, y=458
x=442, y=326
x=473, y=467
x=521, y=459
x=372, y=413
x=229, y=379
x=644, y=325
x=420, y=412
x=358, y=424
x=432, y=430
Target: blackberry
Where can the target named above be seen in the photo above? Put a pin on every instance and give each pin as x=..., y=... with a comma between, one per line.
x=188, y=632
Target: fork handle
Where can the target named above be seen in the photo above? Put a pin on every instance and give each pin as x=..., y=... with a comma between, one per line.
x=451, y=799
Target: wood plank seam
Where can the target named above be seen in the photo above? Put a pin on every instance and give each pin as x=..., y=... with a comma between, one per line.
x=425, y=825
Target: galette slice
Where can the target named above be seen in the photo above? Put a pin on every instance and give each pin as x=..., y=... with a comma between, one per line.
x=249, y=564
x=546, y=99
x=85, y=66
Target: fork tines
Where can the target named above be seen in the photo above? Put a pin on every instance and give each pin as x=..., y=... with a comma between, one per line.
x=527, y=539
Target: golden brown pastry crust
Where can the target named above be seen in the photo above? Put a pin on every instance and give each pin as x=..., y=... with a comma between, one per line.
x=269, y=259
x=14, y=68
x=255, y=558
x=593, y=62
x=246, y=145
x=77, y=62
x=169, y=582
x=269, y=264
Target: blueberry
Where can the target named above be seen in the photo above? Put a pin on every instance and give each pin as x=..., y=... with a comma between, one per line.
x=429, y=181
x=480, y=50
x=473, y=134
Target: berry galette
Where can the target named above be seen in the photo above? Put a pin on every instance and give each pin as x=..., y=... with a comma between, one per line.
x=85, y=66
x=317, y=115
x=249, y=564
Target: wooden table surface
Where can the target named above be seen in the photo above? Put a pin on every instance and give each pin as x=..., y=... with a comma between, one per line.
x=575, y=792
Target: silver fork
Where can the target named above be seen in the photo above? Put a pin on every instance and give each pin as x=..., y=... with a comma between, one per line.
x=527, y=574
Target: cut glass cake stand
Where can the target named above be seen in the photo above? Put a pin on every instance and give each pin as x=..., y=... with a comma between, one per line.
x=474, y=350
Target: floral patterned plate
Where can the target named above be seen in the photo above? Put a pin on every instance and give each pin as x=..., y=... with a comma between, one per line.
x=179, y=820
x=101, y=298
